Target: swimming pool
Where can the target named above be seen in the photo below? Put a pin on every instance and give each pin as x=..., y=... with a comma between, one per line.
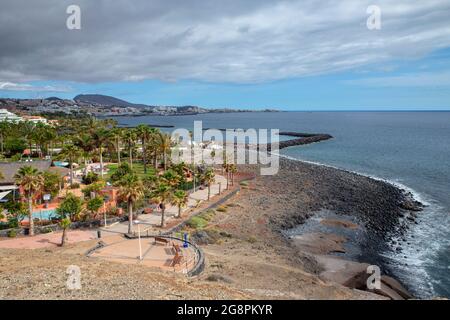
x=44, y=214
x=60, y=164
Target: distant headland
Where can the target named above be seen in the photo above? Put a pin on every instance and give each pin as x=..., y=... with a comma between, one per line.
x=98, y=105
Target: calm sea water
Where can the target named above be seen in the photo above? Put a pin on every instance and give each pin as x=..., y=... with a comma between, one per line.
x=411, y=149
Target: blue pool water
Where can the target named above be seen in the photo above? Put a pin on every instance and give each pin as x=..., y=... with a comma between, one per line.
x=44, y=214
x=60, y=163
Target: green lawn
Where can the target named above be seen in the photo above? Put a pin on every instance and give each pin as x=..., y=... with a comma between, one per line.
x=138, y=168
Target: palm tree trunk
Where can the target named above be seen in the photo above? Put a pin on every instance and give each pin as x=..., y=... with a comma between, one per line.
x=179, y=212
x=71, y=172
x=165, y=158
x=228, y=180
x=163, y=211
x=85, y=166
x=131, y=157
x=30, y=215
x=118, y=151
x=130, y=217
x=101, y=162
x=144, y=158
x=64, y=237
x=209, y=190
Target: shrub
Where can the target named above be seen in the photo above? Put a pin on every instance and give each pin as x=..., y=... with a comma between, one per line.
x=47, y=230
x=71, y=206
x=51, y=183
x=93, y=188
x=4, y=226
x=252, y=239
x=75, y=186
x=12, y=233
x=222, y=209
x=225, y=234
x=197, y=222
x=16, y=157
x=244, y=183
x=122, y=170
x=13, y=222
x=90, y=178
x=207, y=215
x=15, y=146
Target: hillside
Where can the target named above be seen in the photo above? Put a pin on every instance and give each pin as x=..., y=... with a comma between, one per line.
x=106, y=101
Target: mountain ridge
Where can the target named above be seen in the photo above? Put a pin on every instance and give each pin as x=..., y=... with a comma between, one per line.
x=106, y=101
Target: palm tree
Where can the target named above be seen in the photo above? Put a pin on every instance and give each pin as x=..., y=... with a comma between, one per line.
x=180, y=199
x=27, y=131
x=163, y=195
x=171, y=178
x=86, y=145
x=101, y=138
x=145, y=133
x=154, y=146
x=131, y=190
x=42, y=136
x=70, y=153
x=130, y=138
x=116, y=135
x=233, y=170
x=209, y=178
x=165, y=143
x=31, y=181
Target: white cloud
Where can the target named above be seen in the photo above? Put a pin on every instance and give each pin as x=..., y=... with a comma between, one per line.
x=10, y=86
x=219, y=41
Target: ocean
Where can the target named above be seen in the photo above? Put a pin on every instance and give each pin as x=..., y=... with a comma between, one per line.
x=409, y=149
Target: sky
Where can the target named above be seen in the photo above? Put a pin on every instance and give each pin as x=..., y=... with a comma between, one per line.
x=249, y=54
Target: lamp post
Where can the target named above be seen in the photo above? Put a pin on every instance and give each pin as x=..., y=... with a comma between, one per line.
x=104, y=213
x=139, y=237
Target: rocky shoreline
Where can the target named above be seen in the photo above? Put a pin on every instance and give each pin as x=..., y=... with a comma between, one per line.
x=378, y=204
x=302, y=139
x=384, y=211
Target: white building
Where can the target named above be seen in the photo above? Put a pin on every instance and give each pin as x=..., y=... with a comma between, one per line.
x=5, y=115
x=35, y=119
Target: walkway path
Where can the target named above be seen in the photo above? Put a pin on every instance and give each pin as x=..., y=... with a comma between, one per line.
x=48, y=240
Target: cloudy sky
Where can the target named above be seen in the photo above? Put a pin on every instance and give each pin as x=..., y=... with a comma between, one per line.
x=293, y=55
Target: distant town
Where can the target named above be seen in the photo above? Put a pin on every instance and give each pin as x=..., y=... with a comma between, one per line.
x=98, y=106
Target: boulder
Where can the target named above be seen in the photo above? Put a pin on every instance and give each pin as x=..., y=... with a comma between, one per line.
x=396, y=286
x=387, y=292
